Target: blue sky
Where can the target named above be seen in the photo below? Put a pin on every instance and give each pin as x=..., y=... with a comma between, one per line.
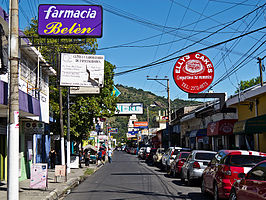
x=172, y=25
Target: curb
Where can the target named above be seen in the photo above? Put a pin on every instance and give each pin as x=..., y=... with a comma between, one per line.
x=72, y=183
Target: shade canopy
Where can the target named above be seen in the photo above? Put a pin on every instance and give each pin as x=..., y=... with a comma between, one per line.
x=251, y=126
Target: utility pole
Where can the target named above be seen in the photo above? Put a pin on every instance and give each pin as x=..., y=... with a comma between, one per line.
x=260, y=65
x=68, y=131
x=63, y=160
x=169, y=103
x=13, y=115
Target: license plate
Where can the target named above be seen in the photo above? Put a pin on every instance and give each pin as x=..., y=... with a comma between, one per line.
x=205, y=163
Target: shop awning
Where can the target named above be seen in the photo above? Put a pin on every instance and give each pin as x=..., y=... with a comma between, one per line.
x=198, y=133
x=222, y=127
x=251, y=126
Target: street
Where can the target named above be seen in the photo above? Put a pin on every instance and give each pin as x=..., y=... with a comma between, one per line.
x=129, y=178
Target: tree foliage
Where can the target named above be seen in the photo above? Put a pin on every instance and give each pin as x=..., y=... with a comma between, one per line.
x=83, y=108
x=249, y=83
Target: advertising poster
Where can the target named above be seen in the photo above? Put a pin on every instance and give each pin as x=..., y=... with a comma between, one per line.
x=82, y=70
x=39, y=176
x=193, y=73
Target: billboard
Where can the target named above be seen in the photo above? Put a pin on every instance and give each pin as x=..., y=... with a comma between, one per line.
x=140, y=124
x=70, y=20
x=193, y=72
x=129, y=109
x=82, y=70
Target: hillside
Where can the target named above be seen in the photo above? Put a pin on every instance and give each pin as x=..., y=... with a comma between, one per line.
x=130, y=94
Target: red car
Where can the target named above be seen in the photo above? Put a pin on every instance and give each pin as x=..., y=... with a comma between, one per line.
x=176, y=165
x=224, y=168
x=251, y=186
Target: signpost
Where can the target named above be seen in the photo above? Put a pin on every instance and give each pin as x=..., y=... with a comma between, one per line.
x=193, y=72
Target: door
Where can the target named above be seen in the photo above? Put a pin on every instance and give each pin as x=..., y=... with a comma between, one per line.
x=254, y=186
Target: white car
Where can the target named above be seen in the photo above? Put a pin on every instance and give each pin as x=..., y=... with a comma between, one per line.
x=195, y=164
x=169, y=156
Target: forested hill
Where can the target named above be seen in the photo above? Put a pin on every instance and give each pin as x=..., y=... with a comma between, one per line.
x=133, y=95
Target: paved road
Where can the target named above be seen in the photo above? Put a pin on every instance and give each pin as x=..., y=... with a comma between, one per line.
x=128, y=178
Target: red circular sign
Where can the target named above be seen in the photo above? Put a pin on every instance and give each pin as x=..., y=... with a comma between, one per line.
x=193, y=73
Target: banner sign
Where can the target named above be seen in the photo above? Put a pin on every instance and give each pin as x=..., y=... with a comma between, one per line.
x=193, y=73
x=70, y=20
x=113, y=130
x=140, y=124
x=82, y=70
x=132, y=132
x=129, y=108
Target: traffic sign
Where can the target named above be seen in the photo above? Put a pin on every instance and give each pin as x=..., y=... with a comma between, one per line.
x=115, y=92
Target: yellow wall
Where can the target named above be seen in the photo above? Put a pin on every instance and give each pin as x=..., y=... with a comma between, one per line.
x=244, y=113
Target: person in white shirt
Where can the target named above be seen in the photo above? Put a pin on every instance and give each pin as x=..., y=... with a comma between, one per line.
x=109, y=153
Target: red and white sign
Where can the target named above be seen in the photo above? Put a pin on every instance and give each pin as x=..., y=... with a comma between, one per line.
x=140, y=124
x=193, y=73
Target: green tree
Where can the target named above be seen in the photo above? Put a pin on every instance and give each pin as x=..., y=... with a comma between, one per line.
x=83, y=108
x=249, y=83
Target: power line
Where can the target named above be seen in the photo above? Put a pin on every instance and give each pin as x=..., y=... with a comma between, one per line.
x=202, y=49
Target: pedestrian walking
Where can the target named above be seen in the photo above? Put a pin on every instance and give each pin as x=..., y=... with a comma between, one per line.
x=99, y=157
x=52, y=156
x=103, y=154
x=110, y=153
x=87, y=157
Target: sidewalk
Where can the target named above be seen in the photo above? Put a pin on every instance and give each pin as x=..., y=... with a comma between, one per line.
x=54, y=190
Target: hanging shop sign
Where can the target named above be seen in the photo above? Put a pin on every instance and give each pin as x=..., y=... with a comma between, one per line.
x=129, y=108
x=141, y=124
x=193, y=72
x=70, y=20
x=82, y=70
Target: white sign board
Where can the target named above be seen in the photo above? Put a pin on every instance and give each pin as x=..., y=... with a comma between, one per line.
x=82, y=70
x=84, y=90
x=129, y=108
x=39, y=176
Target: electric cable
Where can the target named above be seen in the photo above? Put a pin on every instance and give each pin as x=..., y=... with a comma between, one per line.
x=202, y=49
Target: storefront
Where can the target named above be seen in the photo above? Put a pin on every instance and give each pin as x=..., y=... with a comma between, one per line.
x=251, y=131
x=221, y=134
x=198, y=140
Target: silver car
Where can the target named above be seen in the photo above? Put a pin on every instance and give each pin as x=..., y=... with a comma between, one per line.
x=195, y=164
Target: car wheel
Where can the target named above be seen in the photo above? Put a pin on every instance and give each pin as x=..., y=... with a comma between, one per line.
x=215, y=192
x=189, y=180
x=203, y=188
x=232, y=195
x=182, y=177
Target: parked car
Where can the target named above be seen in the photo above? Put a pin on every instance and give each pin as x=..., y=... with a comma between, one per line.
x=147, y=152
x=141, y=152
x=224, y=168
x=195, y=164
x=149, y=159
x=176, y=165
x=157, y=158
x=169, y=156
x=251, y=185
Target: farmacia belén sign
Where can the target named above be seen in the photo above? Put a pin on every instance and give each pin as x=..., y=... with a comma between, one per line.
x=70, y=20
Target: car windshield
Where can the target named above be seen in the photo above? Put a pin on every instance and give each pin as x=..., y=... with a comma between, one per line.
x=204, y=156
x=184, y=155
x=176, y=152
x=244, y=160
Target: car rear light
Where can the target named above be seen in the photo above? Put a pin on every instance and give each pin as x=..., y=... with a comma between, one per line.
x=180, y=162
x=227, y=170
x=196, y=165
